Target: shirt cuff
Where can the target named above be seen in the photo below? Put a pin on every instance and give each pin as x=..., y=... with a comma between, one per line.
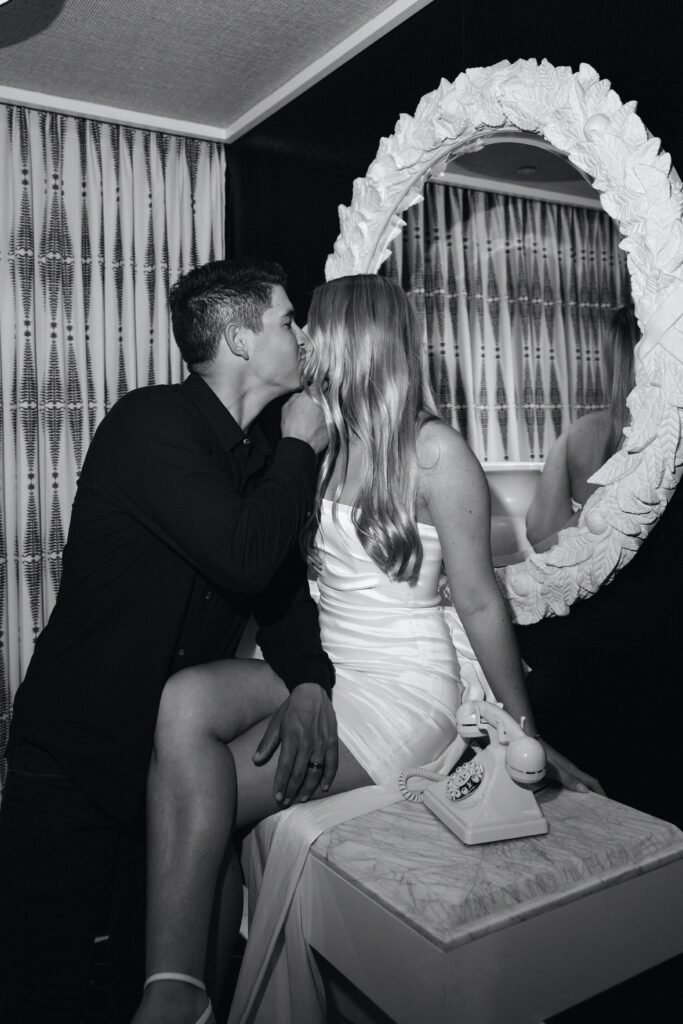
x=297, y=454
x=320, y=671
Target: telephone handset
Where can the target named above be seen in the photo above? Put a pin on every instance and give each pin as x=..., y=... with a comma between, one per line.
x=488, y=798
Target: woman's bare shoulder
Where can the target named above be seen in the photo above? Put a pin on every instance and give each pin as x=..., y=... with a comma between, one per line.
x=586, y=439
x=440, y=445
x=447, y=466
x=592, y=425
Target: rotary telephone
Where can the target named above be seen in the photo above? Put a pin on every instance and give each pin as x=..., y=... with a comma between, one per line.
x=489, y=797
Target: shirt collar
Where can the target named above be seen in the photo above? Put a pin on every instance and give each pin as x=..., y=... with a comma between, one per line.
x=220, y=418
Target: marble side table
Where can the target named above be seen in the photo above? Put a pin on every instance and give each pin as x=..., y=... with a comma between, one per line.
x=432, y=930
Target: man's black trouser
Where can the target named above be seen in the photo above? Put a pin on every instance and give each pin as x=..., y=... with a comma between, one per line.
x=65, y=867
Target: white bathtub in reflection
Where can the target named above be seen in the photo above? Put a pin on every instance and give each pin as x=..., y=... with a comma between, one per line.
x=512, y=486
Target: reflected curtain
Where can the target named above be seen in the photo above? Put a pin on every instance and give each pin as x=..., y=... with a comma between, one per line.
x=515, y=296
x=97, y=220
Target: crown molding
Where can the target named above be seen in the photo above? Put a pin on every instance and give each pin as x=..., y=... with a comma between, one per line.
x=117, y=115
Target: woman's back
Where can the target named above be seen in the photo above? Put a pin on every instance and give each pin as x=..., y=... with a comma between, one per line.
x=432, y=435
x=348, y=567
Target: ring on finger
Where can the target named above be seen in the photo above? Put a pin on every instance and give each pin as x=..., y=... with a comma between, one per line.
x=315, y=766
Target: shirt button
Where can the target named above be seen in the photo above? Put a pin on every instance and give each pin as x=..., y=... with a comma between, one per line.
x=246, y=441
x=181, y=652
x=208, y=596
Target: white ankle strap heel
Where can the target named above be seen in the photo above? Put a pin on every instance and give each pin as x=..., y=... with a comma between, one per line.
x=189, y=980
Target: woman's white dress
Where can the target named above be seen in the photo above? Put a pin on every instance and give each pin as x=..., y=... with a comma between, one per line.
x=399, y=683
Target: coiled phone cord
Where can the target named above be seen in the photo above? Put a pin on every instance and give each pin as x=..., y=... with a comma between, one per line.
x=414, y=795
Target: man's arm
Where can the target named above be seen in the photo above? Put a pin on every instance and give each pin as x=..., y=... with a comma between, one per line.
x=305, y=726
x=289, y=633
x=160, y=468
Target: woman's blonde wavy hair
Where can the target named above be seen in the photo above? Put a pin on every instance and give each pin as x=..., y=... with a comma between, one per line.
x=364, y=368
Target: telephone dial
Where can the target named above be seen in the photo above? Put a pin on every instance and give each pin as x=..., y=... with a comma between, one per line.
x=490, y=797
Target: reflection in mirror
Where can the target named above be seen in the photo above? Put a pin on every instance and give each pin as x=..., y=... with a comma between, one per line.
x=516, y=271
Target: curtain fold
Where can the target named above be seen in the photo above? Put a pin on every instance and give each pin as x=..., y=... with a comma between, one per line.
x=515, y=296
x=97, y=221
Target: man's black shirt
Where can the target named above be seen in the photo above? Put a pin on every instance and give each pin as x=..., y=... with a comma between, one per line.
x=182, y=526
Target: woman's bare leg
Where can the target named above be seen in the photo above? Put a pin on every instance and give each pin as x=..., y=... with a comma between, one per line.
x=226, y=917
x=192, y=810
x=191, y=799
x=255, y=802
x=255, y=784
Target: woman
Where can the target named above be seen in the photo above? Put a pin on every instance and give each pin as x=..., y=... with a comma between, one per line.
x=563, y=487
x=399, y=493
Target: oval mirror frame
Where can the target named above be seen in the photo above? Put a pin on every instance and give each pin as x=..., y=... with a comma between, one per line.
x=580, y=115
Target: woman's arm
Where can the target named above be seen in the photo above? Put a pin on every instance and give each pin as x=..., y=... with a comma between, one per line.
x=552, y=506
x=457, y=497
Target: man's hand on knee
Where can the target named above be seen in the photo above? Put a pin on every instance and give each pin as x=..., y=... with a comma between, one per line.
x=305, y=728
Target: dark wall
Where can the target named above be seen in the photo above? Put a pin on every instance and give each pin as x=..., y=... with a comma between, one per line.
x=288, y=175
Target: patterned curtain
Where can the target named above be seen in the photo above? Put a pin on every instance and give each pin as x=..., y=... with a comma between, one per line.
x=96, y=221
x=515, y=296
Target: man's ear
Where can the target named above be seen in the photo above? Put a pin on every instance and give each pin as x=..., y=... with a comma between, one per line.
x=236, y=340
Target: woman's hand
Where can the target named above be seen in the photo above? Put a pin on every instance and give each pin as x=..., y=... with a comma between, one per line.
x=562, y=770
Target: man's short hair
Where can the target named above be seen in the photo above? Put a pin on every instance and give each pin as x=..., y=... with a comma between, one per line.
x=205, y=300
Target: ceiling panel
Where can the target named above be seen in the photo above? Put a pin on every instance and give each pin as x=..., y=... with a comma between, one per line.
x=203, y=61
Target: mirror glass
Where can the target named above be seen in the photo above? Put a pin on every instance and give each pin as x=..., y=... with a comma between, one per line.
x=516, y=271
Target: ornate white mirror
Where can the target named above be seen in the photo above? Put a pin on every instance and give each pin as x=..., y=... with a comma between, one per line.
x=579, y=118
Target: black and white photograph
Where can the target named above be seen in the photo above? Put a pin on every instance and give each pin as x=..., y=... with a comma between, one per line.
x=341, y=549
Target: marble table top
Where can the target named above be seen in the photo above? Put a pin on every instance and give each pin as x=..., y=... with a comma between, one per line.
x=405, y=859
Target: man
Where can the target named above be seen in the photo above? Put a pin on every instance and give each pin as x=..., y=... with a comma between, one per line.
x=186, y=521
